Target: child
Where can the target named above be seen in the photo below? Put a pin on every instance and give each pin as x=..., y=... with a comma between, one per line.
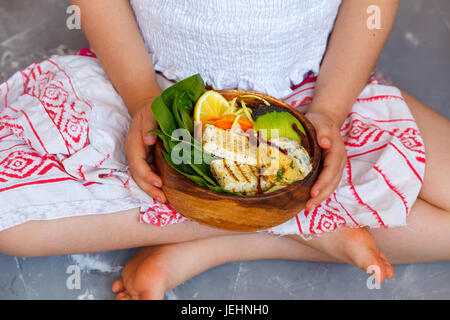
x=265, y=46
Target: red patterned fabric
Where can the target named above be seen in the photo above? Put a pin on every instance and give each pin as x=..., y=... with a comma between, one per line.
x=385, y=167
x=51, y=164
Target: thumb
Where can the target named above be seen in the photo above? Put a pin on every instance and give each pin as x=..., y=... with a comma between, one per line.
x=148, y=123
x=324, y=132
x=324, y=136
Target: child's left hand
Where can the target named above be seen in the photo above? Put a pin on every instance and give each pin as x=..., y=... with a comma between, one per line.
x=335, y=160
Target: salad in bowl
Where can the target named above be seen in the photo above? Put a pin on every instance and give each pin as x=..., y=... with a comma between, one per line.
x=222, y=153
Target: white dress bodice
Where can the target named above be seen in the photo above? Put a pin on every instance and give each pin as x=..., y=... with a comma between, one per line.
x=261, y=45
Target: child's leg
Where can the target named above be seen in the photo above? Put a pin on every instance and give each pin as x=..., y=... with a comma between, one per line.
x=155, y=270
x=95, y=233
x=427, y=237
x=435, y=130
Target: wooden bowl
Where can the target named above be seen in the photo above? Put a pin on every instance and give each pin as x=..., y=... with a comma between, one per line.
x=240, y=213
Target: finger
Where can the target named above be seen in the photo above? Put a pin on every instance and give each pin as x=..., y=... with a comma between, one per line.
x=135, y=149
x=141, y=171
x=324, y=137
x=148, y=123
x=334, y=161
x=154, y=192
x=324, y=131
x=143, y=175
x=146, y=179
x=330, y=176
x=325, y=188
x=323, y=193
x=149, y=138
x=137, y=158
x=117, y=286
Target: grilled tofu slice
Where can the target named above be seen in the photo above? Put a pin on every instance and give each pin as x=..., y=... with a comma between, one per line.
x=239, y=178
x=229, y=145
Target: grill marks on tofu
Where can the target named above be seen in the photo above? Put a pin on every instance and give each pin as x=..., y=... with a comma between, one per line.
x=230, y=172
x=242, y=167
x=236, y=177
x=228, y=145
x=242, y=172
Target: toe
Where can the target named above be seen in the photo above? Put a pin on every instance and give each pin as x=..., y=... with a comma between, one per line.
x=123, y=296
x=390, y=272
x=378, y=270
x=117, y=286
x=377, y=266
x=152, y=295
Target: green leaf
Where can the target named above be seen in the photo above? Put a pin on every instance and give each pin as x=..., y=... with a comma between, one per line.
x=163, y=116
x=188, y=122
x=280, y=174
x=173, y=110
x=182, y=109
x=191, y=176
x=193, y=87
x=203, y=171
x=195, y=178
x=167, y=142
x=189, y=90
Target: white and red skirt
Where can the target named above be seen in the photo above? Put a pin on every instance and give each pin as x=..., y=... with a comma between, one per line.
x=62, y=133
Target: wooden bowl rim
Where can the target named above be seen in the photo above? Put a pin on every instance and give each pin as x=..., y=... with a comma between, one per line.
x=316, y=159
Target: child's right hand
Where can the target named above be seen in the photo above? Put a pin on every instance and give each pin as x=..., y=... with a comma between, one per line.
x=329, y=138
x=137, y=148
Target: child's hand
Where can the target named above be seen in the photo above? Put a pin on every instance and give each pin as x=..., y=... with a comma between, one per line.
x=137, y=147
x=335, y=160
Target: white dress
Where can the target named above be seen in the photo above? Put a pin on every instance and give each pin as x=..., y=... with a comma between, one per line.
x=261, y=45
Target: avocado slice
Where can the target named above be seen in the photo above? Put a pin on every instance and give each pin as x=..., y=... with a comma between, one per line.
x=267, y=118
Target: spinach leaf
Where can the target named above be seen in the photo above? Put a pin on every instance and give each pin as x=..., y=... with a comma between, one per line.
x=189, y=91
x=167, y=142
x=191, y=176
x=163, y=116
x=187, y=121
x=173, y=110
x=193, y=87
x=181, y=109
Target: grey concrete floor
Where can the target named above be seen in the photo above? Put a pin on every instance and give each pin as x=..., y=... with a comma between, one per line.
x=417, y=57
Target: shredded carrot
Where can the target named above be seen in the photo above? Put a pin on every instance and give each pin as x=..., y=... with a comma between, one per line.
x=224, y=124
x=209, y=120
x=226, y=121
x=245, y=124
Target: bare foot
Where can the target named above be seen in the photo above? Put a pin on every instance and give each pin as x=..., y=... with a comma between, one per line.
x=357, y=247
x=155, y=270
x=365, y=254
x=146, y=276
